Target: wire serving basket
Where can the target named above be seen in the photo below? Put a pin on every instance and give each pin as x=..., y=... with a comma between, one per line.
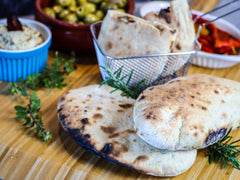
x=155, y=69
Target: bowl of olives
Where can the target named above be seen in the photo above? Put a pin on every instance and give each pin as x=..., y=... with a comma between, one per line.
x=69, y=20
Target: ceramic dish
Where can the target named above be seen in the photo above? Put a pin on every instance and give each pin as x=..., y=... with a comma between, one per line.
x=68, y=36
x=204, y=59
x=210, y=60
x=15, y=64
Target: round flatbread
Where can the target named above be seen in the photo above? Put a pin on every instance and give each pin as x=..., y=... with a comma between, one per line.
x=102, y=123
x=189, y=112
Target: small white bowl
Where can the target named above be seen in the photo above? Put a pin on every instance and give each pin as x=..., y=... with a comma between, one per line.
x=211, y=60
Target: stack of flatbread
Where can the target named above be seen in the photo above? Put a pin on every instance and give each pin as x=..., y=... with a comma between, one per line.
x=123, y=35
x=157, y=134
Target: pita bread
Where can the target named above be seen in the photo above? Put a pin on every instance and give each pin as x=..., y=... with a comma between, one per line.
x=176, y=16
x=124, y=35
x=102, y=123
x=189, y=112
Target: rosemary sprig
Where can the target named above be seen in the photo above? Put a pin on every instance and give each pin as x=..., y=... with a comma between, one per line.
x=225, y=152
x=116, y=81
x=31, y=114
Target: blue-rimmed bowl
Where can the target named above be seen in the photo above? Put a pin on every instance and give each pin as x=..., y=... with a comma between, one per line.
x=15, y=64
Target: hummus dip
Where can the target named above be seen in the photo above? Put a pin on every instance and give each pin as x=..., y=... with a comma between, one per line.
x=19, y=40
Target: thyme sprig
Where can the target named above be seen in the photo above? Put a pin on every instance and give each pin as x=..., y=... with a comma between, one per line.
x=50, y=78
x=118, y=82
x=31, y=114
x=225, y=152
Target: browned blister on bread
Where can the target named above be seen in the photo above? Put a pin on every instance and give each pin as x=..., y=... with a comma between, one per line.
x=190, y=112
x=102, y=123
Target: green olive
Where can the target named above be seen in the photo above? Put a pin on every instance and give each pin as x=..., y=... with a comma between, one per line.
x=49, y=11
x=81, y=12
x=71, y=18
x=63, y=13
x=90, y=18
x=73, y=3
x=72, y=8
x=80, y=2
x=64, y=3
x=121, y=10
x=105, y=6
x=89, y=7
x=95, y=1
x=57, y=9
x=80, y=22
x=99, y=14
x=119, y=3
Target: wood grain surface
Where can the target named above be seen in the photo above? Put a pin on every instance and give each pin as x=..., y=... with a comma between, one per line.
x=23, y=156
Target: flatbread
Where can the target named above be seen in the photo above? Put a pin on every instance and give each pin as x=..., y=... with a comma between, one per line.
x=124, y=35
x=102, y=123
x=189, y=112
x=176, y=16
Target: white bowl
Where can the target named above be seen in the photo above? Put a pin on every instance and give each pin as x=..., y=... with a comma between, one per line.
x=210, y=60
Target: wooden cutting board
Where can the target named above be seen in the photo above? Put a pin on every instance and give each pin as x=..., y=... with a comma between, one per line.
x=23, y=156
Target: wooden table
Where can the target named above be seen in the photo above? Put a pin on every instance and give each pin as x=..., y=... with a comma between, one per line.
x=23, y=156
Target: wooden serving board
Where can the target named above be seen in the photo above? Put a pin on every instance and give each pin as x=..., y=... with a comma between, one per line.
x=23, y=156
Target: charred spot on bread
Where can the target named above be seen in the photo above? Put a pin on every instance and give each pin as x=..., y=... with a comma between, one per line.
x=73, y=132
x=125, y=106
x=84, y=121
x=178, y=47
x=109, y=129
x=114, y=135
x=99, y=108
x=127, y=19
x=165, y=14
x=141, y=98
x=141, y=158
x=109, y=45
x=214, y=136
x=106, y=149
x=204, y=108
x=62, y=98
x=62, y=117
x=97, y=116
x=59, y=110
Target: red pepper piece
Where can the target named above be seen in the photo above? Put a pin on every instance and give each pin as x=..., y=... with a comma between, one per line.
x=213, y=30
x=229, y=43
x=224, y=50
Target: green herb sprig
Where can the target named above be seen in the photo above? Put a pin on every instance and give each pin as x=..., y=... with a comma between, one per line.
x=116, y=81
x=31, y=114
x=225, y=152
x=50, y=78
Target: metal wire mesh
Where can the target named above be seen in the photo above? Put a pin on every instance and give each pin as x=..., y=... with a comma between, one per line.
x=155, y=69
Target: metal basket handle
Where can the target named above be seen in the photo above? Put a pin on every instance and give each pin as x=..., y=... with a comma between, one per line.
x=215, y=9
